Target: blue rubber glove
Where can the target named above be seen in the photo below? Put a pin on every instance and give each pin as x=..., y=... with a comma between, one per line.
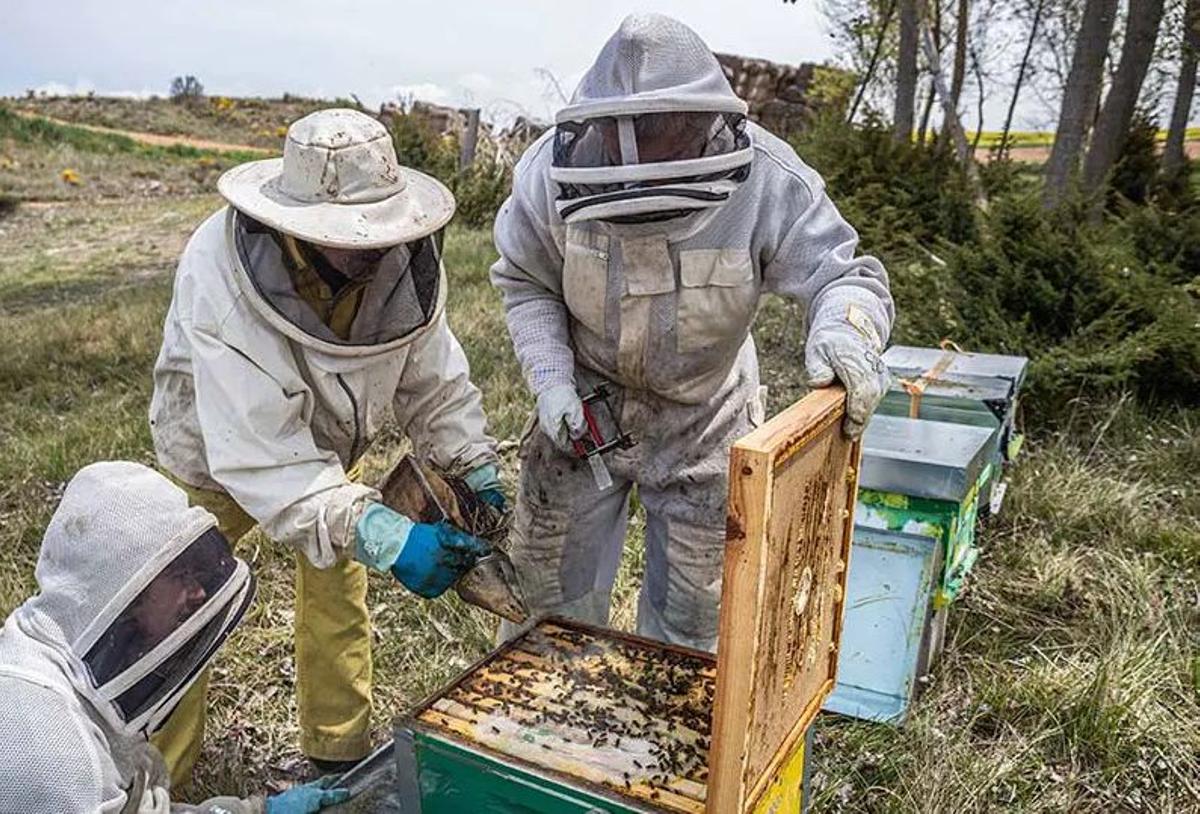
x=485, y=482
x=381, y=533
x=306, y=799
x=434, y=556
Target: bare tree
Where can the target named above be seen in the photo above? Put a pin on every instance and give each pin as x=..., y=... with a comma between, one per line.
x=1113, y=123
x=1172, y=161
x=977, y=71
x=1079, y=97
x=906, y=72
x=927, y=110
x=1012, y=104
x=959, y=74
x=869, y=73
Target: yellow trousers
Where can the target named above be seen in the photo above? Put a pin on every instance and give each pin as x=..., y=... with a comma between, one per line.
x=333, y=659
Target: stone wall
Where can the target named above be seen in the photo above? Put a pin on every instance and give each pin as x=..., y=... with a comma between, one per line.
x=779, y=95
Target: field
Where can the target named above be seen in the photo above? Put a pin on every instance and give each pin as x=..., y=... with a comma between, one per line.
x=1072, y=674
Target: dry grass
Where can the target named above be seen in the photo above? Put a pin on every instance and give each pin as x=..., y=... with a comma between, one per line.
x=1071, y=678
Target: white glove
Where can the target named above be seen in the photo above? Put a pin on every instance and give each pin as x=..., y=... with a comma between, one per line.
x=560, y=414
x=844, y=344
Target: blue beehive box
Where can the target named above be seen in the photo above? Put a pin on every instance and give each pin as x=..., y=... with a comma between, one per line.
x=914, y=544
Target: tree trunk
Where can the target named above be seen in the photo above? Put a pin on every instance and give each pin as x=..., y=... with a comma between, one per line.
x=1079, y=97
x=1113, y=125
x=951, y=125
x=870, y=74
x=1012, y=104
x=927, y=110
x=977, y=69
x=959, y=75
x=906, y=73
x=1172, y=161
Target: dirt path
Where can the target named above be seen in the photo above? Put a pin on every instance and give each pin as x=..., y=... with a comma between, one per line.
x=1039, y=155
x=155, y=139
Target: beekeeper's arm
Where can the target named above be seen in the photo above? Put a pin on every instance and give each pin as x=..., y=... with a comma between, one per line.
x=261, y=450
x=529, y=277
x=441, y=411
x=850, y=311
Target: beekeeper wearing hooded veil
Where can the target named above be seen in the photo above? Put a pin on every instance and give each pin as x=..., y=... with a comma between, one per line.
x=640, y=234
x=307, y=315
x=136, y=593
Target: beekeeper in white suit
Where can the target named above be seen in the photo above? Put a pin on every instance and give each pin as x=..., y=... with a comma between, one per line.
x=306, y=316
x=641, y=232
x=136, y=593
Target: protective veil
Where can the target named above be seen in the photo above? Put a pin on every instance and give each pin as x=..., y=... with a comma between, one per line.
x=645, y=135
x=256, y=397
x=136, y=593
x=657, y=299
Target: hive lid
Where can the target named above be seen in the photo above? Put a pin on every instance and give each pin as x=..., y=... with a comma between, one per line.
x=922, y=458
x=905, y=360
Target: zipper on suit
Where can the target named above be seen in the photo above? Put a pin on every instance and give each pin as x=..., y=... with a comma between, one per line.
x=354, y=408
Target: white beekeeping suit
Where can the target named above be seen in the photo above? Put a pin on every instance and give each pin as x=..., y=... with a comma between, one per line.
x=136, y=593
x=639, y=237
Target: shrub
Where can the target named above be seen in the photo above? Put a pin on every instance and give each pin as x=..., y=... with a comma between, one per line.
x=1137, y=165
x=1096, y=308
x=479, y=190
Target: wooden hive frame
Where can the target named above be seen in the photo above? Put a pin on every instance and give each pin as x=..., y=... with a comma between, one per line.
x=792, y=487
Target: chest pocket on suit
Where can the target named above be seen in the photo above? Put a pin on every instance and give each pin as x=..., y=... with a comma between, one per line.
x=585, y=276
x=717, y=298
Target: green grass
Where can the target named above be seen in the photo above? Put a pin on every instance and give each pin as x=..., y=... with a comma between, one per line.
x=35, y=153
x=1071, y=679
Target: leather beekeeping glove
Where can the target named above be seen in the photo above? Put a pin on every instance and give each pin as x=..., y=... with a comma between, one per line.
x=844, y=344
x=560, y=414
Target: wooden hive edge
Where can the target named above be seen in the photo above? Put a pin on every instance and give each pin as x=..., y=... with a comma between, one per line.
x=787, y=432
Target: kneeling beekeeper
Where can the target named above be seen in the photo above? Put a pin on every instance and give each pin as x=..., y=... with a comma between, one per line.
x=640, y=234
x=306, y=315
x=137, y=592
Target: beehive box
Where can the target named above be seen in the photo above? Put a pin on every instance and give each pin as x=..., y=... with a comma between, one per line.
x=568, y=717
x=914, y=545
x=571, y=718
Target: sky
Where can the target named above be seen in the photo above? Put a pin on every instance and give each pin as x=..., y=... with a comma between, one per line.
x=493, y=55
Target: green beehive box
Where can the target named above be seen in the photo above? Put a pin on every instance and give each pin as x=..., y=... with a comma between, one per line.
x=923, y=478
x=565, y=718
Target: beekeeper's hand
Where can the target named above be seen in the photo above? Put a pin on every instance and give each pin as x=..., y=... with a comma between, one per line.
x=426, y=558
x=843, y=344
x=485, y=481
x=560, y=415
x=306, y=799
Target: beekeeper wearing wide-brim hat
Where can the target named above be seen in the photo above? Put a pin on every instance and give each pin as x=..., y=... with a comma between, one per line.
x=136, y=594
x=307, y=315
x=641, y=233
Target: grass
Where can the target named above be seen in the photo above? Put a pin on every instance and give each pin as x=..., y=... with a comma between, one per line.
x=37, y=157
x=256, y=122
x=1071, y=679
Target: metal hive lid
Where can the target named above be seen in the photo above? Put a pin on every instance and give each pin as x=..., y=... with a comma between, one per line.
x=920, y=458
x=905, y=360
